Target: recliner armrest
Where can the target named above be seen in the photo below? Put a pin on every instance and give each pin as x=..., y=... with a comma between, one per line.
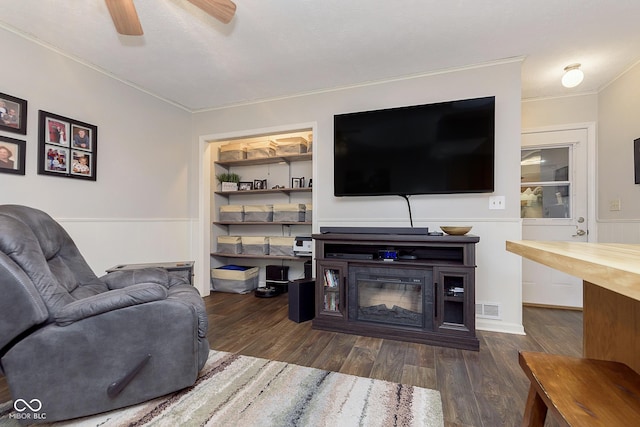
x=108, y=301
x=124, y=278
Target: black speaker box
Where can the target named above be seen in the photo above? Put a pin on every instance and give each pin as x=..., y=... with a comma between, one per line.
x=277, y=277
x=277, y=272
x=302, y=300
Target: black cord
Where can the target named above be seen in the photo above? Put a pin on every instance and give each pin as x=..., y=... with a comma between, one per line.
x=409, y=205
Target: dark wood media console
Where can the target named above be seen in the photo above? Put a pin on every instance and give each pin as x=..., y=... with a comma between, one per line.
x=415, y=288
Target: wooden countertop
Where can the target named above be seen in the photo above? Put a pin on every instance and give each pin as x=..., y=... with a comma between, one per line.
x=614, y=266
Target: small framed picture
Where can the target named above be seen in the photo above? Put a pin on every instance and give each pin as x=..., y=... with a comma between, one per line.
x=67, y=147
x=296, y=182
x=259, y=184
x=12, y=155
x=245, y=185
x=81, y=163
x=13, y=114
x=80, y=138
x=57, y=159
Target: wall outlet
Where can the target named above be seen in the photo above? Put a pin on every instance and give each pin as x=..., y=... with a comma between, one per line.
x=496, y=202
x=614, y=205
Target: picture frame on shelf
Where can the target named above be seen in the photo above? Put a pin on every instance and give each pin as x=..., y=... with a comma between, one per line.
x=296, y=182
x=259, y=184
x=67, y=147
x=13, y=114
x=12, y=155
x=229, y=186
x=245, y=186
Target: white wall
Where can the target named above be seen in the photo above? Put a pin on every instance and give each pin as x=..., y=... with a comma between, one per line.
x=542, y=113
x=498, y=272
x=614, y=109
x=618, y=126
x=138, y=209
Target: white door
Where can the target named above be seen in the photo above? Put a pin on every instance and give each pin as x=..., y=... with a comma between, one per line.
x=554, y=206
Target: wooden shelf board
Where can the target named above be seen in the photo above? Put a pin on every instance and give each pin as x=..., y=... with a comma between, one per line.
x=267, y=160
x=266, y=191
x=285, y=258
x=261, y=223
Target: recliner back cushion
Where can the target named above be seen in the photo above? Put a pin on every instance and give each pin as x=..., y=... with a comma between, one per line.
x=48, y=255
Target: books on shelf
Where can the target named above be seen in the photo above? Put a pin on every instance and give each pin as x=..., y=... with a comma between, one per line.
x=331, y=278
x=331, y=301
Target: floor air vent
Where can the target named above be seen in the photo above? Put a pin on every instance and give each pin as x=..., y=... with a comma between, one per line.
x=488, y=310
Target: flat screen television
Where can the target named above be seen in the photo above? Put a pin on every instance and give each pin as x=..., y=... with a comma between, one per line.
x=440, y=148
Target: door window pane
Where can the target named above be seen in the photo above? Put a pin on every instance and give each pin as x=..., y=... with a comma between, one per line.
x=545, y=190
x=545, y=201
x=545, y=165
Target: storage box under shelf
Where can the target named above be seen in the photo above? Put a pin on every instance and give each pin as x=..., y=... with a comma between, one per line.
x=234, y=279
x=229, y=245
x=255, y=245
x=289, y=146
x=308, y=212
x=232, y=151
x=232, y=213
x=289, y=212
x=281, y=246
x=258, y=213
x=261, y=149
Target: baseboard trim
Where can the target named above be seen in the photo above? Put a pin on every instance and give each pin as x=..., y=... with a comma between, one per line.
x=558, y=307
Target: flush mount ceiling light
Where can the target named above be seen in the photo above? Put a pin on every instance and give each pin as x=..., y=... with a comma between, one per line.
x=573, y=76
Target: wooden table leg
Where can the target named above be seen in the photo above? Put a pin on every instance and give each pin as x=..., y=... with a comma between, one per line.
x=611, y=326
x=535, y=411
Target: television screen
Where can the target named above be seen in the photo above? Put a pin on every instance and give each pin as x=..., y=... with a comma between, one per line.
x=440, y=148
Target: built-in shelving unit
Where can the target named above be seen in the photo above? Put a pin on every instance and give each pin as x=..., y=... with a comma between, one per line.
x=279, y=171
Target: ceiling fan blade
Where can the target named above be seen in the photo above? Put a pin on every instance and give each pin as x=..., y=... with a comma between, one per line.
x=222, y=10
x=124, y=16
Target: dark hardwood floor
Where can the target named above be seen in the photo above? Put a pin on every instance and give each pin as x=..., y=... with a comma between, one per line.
x=485, y=388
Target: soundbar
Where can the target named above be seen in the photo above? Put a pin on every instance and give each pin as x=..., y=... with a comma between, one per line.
x=376, y=230
x=341, y=255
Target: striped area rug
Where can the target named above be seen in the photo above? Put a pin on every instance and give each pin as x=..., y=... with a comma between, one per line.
x=235, y=390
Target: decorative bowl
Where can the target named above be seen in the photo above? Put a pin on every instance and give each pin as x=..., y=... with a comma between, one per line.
x=456, y=230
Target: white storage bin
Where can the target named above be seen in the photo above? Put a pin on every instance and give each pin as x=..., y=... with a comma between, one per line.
x=261, y=149
x=234, y=278
x=281, y=246
x=290, y=212
x=258, y=213
x=308, y=212
x=290, y=146
x=232, y=151
x=229, y=245
x=232, y=213
x=255, y=245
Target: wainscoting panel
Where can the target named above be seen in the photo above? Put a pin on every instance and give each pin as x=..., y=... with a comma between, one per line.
x=106, y=242
x=619, y=231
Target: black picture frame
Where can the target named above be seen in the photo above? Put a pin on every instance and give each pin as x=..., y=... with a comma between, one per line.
x=636, y=160
x=13, y=114
x=67, y=147
x=245, y=186
x=259, y=184
x=12, y=155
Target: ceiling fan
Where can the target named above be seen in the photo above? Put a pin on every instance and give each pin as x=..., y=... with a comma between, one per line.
x=125, y=18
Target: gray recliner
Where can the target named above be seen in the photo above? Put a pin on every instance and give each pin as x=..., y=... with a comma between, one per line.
x=74, y=344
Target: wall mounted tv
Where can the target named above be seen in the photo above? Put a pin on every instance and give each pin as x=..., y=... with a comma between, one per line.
x=441, y=148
